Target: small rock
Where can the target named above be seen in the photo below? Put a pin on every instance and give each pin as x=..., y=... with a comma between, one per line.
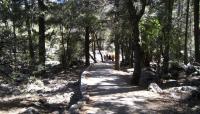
x=46, y=82
x=190, y=69
x=196, y=108
x=80, y=104
x=65, y=112
x=86, y=98
x=55, y=112
x=74, y=109
x=30, y=110
x=43, y=100
x=16, y=92
x=154, y=88
x=170, y=83
x=39, y=91
x=166, y=76
x=101, y=112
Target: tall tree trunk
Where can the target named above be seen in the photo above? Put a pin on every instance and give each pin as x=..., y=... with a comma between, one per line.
x=14, y=48
x=14, y=42
x=167, y=34
x=116, y=42
x=131, y=52
x=196, y=30
x=87, y=46
x=117, y=48
x=94, y=50
x=63, y=49
x=42, y=51
x=135, y=17
x=99, y=48
x=137, y=54
x=186, y=33
x=122, y=52
x=28, y=26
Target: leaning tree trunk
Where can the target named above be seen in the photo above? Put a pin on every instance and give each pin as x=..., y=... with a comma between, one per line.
x=196, y=30
x=87, y=46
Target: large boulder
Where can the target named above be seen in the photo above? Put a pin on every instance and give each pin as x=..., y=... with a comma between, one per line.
x=193, y=69
x=190, y=69
x=176, y=69
x=182, y=92
x=148, y=75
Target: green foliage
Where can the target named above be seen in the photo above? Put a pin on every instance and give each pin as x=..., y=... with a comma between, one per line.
x=150, y=30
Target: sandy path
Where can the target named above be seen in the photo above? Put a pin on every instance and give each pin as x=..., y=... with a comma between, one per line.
x=110, y=93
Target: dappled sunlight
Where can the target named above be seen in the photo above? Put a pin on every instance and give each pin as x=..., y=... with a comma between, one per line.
x=99, y=56
x=39, y=94
x=110, y=92
x=101, y=81
x=13, y=111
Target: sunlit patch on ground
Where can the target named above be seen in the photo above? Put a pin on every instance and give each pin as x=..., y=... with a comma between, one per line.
x=110, y=93
x=41, y=95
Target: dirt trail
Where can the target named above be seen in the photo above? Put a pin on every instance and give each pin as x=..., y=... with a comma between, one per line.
x=110, y=93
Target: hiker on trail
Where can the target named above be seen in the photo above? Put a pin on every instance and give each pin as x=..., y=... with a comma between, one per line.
x=112, y=57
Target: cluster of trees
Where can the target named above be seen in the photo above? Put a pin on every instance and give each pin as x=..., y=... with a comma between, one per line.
x=157, y=31
x=30, y=28
x=142, y=31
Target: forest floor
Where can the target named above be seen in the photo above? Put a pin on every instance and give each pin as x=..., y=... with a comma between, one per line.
x=37, y=95
x=109, y=92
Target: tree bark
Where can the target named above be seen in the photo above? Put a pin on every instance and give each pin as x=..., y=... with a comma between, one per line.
x=135, y=17
x=99, y=48
x=94, y=49
x=14, y=48
x=196, y=30
x=116, y=42
x=30, y=41
x=87, y=46
x=186, y=33
x=14, y=42
x=41, y=20
x=167, y=34
x=64, y=62
x=137, y=55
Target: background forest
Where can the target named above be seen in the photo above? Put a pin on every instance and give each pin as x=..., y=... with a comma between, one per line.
x=41, y=37
x=35, y=33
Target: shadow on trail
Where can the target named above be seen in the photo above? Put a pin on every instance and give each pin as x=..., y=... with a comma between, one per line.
x=111, y=89
x=110, y=92
x=118, y=109
x=103, y=80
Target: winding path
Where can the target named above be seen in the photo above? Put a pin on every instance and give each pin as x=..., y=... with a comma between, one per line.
x=109, y=92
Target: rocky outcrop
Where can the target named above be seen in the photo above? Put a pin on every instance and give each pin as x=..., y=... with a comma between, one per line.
x=148, y=75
